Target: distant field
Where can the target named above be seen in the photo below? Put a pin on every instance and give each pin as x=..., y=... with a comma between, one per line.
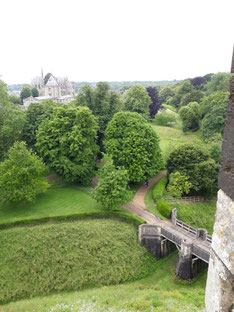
x=160, y=292
x=171, y=138
x=50, y=258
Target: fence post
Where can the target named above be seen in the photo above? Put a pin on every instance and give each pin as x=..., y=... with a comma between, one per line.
x=173, y=216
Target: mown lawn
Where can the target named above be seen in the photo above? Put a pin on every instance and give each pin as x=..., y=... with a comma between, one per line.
x=43, y=259
x=159, y=292
x=57, y=204
x=171, y=138
x=199, y=215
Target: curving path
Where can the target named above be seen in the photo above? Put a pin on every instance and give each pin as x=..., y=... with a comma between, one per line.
x=137, y=205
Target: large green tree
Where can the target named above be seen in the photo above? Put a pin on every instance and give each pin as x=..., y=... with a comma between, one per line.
x=190, y=116
x=166, y=93
x=137, y=100
x=112, y=190
x=103, y=104
x=133, y=143
x=195, y=163
x=21, y=175
x=218, y=82
x=11, y=121
x=216, y=99
x=67, y=142
x=35, y=114
x=214, y=122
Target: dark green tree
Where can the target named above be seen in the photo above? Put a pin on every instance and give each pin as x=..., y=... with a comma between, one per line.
x=218, y=82
x=195, y=163
x=21, y=175
x=213, y=122
x=166, y=93
x=25, y=92
x=15, y=99
x=132, y=143
x=194, y=96
x=112, y=190
x=217, y=99
x=67, y=142
x=35, y=92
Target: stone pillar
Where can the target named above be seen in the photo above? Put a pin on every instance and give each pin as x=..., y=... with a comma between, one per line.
x=150, y=237
x=220, y=280
x=184, y=264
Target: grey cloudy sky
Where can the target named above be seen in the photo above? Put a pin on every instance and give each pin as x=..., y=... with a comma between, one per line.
x=94, y=40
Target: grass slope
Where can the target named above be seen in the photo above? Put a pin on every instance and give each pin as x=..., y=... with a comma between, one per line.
x=44, y=259
x=159, y=292
x=199, y=215
x=171, y=138
x=70, y=202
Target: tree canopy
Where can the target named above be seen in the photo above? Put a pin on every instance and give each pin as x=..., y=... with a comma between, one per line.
x=155, y=101
x=132, y=143
x=112, y=190
x=67, y=142
x=25, y=92
x=195, y=163
x=190, y=116
x=35, y=114
x=137, y=100
x=21, y=175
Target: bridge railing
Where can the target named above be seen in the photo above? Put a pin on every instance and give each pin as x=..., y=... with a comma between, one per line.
x=198, y=233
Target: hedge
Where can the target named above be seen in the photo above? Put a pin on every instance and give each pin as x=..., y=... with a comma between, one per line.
x=164, y=208
x=159, y=188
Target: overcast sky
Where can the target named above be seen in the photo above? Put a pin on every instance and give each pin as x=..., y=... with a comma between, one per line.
x=113, y=40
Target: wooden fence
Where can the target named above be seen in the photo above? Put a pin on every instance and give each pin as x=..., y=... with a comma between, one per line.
x=189, y=199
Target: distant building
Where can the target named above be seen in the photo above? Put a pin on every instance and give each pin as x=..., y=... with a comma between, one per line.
x=53, y=86
x=57, y=89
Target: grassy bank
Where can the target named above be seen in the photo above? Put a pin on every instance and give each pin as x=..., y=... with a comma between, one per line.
x=63, y=203
x=51, y=258
x=159, y=292
x=199, y=215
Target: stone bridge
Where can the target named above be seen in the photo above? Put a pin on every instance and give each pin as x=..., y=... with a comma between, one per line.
x=168, y=235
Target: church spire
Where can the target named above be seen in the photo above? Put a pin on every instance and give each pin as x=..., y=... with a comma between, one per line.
x=42, y=73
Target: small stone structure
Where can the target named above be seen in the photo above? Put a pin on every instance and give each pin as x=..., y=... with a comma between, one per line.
x=220, y=280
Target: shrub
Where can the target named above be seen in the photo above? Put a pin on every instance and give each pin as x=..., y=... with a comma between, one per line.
x=164, y=208
x=165, y=119
x=159, y=188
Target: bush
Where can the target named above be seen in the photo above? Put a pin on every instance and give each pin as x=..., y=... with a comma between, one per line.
x=165, y=119
x=159, y=188
x=164, y=208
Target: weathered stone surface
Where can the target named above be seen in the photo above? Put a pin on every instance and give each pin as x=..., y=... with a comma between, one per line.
x=220, y=281
x=226, y=175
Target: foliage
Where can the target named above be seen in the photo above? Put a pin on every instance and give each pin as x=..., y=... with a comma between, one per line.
x=159, y=188
x=214, y=122
x=181, y=90
x=132, y=143
x=217, y=99
x=35, y=114
x=67, y=142
x=21, y=175
x=194, y=96
x=215, y=151
x=155, y=101
x=14, y=99
x=35, y=92
x=11, y=122
x=195, y=163
x=197, y=81
x=112, y=189
x=103, y=104
x=178, y=184
x=45, y=259
x=166, y=93
x=165, y=119
x=218, y=82
x=25, y=92
x=190, y=116
x=137, y=100
x=164, y=208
